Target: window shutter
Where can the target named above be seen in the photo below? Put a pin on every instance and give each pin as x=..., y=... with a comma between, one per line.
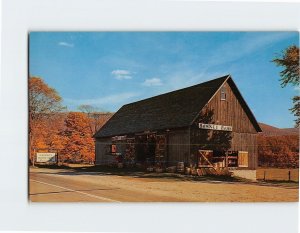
x=243, y=159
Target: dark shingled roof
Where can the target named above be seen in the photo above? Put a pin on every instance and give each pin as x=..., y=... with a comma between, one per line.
x=171, y=110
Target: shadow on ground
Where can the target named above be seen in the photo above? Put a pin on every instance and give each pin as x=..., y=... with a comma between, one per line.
x=160, y=177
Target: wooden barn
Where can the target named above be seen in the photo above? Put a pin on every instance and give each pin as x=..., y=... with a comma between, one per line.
x=208, y=124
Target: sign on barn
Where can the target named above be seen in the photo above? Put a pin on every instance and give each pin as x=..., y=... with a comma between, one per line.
x=215, y=127
x=46, y=157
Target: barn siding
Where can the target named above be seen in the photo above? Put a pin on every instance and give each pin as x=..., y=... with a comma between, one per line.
x=178, y=146
x=230, y=112
x=246, y=142
x=102, y=157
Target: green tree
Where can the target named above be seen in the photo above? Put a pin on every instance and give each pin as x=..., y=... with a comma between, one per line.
x=289, y=60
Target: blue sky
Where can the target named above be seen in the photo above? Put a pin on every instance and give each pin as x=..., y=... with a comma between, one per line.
x=110, y=69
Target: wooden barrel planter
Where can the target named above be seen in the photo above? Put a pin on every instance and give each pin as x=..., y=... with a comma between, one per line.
x=187, y=170
x=180, y=167
x=171, y=169
x=158, y=169
x=150, y=169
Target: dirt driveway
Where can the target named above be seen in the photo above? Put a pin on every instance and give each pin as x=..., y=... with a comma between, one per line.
x=72, y=185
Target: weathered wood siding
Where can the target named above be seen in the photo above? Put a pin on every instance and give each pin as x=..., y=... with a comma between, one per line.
x=246, y=142
x=102, y=157
x=230, y=112
x=178, y=146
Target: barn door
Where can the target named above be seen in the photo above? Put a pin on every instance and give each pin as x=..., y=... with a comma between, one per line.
x=160, y=150
x=243, y=159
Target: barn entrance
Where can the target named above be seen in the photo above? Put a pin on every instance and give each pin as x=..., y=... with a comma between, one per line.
x=150, y=148
x=145, y=148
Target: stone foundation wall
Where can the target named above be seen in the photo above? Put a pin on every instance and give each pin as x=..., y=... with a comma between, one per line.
x=247, y=174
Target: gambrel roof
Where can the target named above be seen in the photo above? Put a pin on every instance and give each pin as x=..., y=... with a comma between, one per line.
x=171, y=110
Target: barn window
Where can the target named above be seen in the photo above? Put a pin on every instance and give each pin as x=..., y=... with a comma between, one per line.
x=113, y=148
x=223, y=93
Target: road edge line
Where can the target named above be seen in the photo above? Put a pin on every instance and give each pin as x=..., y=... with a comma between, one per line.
x=80, y=192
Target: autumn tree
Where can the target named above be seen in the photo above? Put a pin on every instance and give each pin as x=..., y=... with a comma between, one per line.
x=47, y=132
x=278, y=151
x=78, y=144
x=289, y=60
x=43, y=102
x=97, y=118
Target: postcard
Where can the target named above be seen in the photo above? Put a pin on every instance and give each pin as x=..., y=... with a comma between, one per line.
x=163, y=116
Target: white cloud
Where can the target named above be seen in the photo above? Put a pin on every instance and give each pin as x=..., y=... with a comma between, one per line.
x=122, y=74
x=62, y=43
x=152, y=82
x=106, y=100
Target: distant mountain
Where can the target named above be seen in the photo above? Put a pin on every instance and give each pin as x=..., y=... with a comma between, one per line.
x=269, y=130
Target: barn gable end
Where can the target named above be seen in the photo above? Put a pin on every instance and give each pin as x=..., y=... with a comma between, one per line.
x=232, y=110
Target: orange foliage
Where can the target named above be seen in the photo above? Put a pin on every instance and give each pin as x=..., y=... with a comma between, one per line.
x=78, y=144
x=43, y=102
x=45, y=133
x=278, y=151
x=69, y=134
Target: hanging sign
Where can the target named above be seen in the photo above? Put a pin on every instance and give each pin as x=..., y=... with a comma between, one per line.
x=118, y=138
x=215, y=127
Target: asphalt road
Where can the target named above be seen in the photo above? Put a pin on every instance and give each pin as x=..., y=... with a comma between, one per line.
x=68, y=185
x=49, y=185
